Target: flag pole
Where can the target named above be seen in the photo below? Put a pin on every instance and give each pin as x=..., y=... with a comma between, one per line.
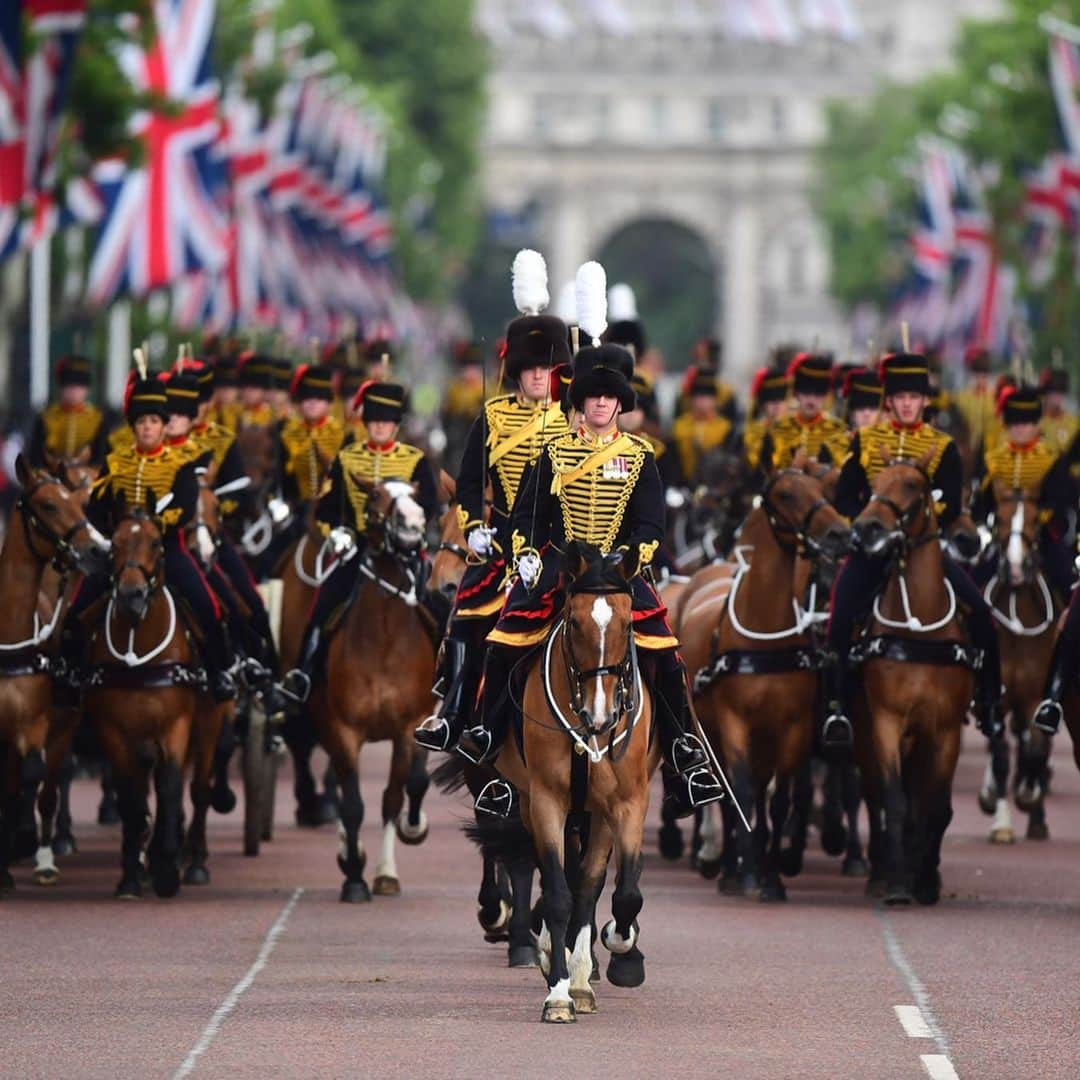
x=40, y=267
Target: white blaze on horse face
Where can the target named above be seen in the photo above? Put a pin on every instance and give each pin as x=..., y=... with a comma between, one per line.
x=1014, y=552
x=410, y=512
x=602, y=614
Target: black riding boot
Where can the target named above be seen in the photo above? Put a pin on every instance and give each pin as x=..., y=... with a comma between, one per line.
x=836, y=730
x=298, y=682
x=442, y=730
x=683, y=751
x=1049, y=713
x=482, y=742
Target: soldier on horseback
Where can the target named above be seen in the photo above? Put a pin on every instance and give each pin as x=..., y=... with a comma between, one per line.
x=903, y=436
x=600, y=486
x=152, y=467
x=343, y=511
x=862, y=398
x=68, y=425
x=509, y=434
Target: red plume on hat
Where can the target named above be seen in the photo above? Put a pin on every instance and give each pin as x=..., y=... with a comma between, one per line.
x=559, y=380
x=1004, y=393
x=298, y=378
x=358, y=397
x=760, y=376
x=882, y=365
x=850, y=377
x=797, y=362
x=129, y=386
x=688, y=379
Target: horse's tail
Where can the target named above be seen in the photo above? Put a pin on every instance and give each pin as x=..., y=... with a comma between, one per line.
x=450, y=777
x=501, y=838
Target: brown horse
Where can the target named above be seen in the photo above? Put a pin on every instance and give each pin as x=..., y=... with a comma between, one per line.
x=917, y=688
x=259, y=452
x=585, y=749
x=49, y=525
x=748, y=639
x=380, y=668
x=149, y=710
x=1025, y=611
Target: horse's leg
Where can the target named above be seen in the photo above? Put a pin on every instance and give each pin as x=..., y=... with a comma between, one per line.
x=833, y=834
x=343, y=744
x=329, y=794
x=671, y=837
x=201, y=789
x=729, y=823
x=802, y=793
x=8, y=797
x=45, y=871
x=129, y=780
x=772, y=888
x=168, y=798
x=547, y=814
x=32, y=773
x=413, y=826
x=710, y=856
x=854, y=863
x=393, y=801
x=492, y=910
x=522, y=865
x=222, y=797
x=586, y=892
x=621, y=934
x=109, y=808
x=995, y=794
x=64, y=837
x=937, y=813
x=887, y=729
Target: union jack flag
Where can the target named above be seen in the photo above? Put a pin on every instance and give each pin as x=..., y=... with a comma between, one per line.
x=1065, y=81
x=835, y=17
x=762, y=20
x=161, y=220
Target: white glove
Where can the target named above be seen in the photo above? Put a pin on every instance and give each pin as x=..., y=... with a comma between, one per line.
x=205, y=541
x=674, y=498
x=480, y=540
x=278, y=510
x=341, y=540
x=529, y=567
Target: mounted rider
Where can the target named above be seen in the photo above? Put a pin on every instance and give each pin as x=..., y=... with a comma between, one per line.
x=508, y=435
x=768, y=402
x=863, y=398
x=310, y=440
x=255, y=378
x=1059, y=424
x=1024, y=463
x=342, y=512
x=906, y=381
x=600, y=486
x=63, y=428
x=151, y=467
x=702, y=427
x=819, y=435
x=225, y=407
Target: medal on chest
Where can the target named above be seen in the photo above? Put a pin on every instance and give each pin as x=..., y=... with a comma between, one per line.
x=618, y=468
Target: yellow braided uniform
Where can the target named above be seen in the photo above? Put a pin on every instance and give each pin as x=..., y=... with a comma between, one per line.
x=1018, y=468
x=464, y=397
x=68, y=430
x=885, y=441
x=132, y=474
x=693, y=438
x=307, y=447
x=121, y=438
x=753, y=439
x=791, y=434
x=1059, y=431
x=228, y=416
x=360, y=461
x=978, y=409
x=215, y=438
x=262, y=415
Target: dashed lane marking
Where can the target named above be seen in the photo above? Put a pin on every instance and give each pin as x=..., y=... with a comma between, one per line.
x=911, y=1017
x=222, y=1012
x=939, y=1067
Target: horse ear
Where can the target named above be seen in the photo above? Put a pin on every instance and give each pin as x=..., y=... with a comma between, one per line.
x=64, y=476
x=924, y=461
x=23, y=471
x=576, y=561
x=83, y=456
x=52, y=461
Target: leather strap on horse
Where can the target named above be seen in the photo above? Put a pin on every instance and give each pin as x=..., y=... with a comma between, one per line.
x=29, y=660
x=151, y=677
x=756, y=662
x=913, y=651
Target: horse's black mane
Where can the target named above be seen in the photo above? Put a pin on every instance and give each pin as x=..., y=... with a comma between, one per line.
x=603, y=573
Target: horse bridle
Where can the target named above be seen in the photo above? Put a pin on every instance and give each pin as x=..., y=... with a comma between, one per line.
x=63, y=551
x=905, y=516
x=153, y=576
x=806, y=545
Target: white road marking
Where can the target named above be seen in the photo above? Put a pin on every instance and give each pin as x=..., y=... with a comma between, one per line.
x=939, y=1067
x=234, y=995
x=911, y=1018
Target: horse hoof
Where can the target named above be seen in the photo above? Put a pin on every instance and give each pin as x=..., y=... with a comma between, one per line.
x=317, y=812
x=129, y=890
x=1028, y=796
x=1003, y=835
x=558, y=1012
x=523, y=956
x=47, y=875
x=709, y=868
x=411, y=834
x=385, y=885
x=166, y=880
x=584, y=1000
x=791, y=862
x=108, y=811
x=855, y=866
x=747, y=885
x=1037, y=830
x=65, y=845
x=671, y=842
x=494, y=924
x=875, y=888
x=223, y=800
x=897, y=896
x=196, y=874
x=626, y=969
x=927, y=890
x=772, y=892
x=355, y=892
x=987, y=801
x=833, y=837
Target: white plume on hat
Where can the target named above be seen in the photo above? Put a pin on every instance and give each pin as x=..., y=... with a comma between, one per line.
x=591, y=290
x=566, y=304
x=622, y=304
x=530, y=282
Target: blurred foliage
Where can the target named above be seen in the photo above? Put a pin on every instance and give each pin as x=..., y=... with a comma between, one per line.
x=996, y=104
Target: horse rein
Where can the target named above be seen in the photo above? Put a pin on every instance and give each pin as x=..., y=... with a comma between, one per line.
x=63, y=550
x=806, y=545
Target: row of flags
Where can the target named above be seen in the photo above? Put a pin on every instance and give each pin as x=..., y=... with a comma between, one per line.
x=958, y=294
x=249, y=220
x=783, y=22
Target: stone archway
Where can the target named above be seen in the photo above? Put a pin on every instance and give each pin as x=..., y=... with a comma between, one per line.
x=675, y=278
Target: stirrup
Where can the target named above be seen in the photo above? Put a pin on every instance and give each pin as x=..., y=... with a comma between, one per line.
x=434, y=733
x=296, y=686
x=476, y=744
x=1048, y=716
x=702, y=787
x=687, y=754
x=837, y=733
x=496, y=798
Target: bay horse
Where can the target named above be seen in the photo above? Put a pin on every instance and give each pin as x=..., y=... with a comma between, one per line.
x=592, y=692
x=747, y=639
x=49, y=526
x=1025, y=611
x=148, y=702
x=380, y=667
x=259, y=453
x=917, y=683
